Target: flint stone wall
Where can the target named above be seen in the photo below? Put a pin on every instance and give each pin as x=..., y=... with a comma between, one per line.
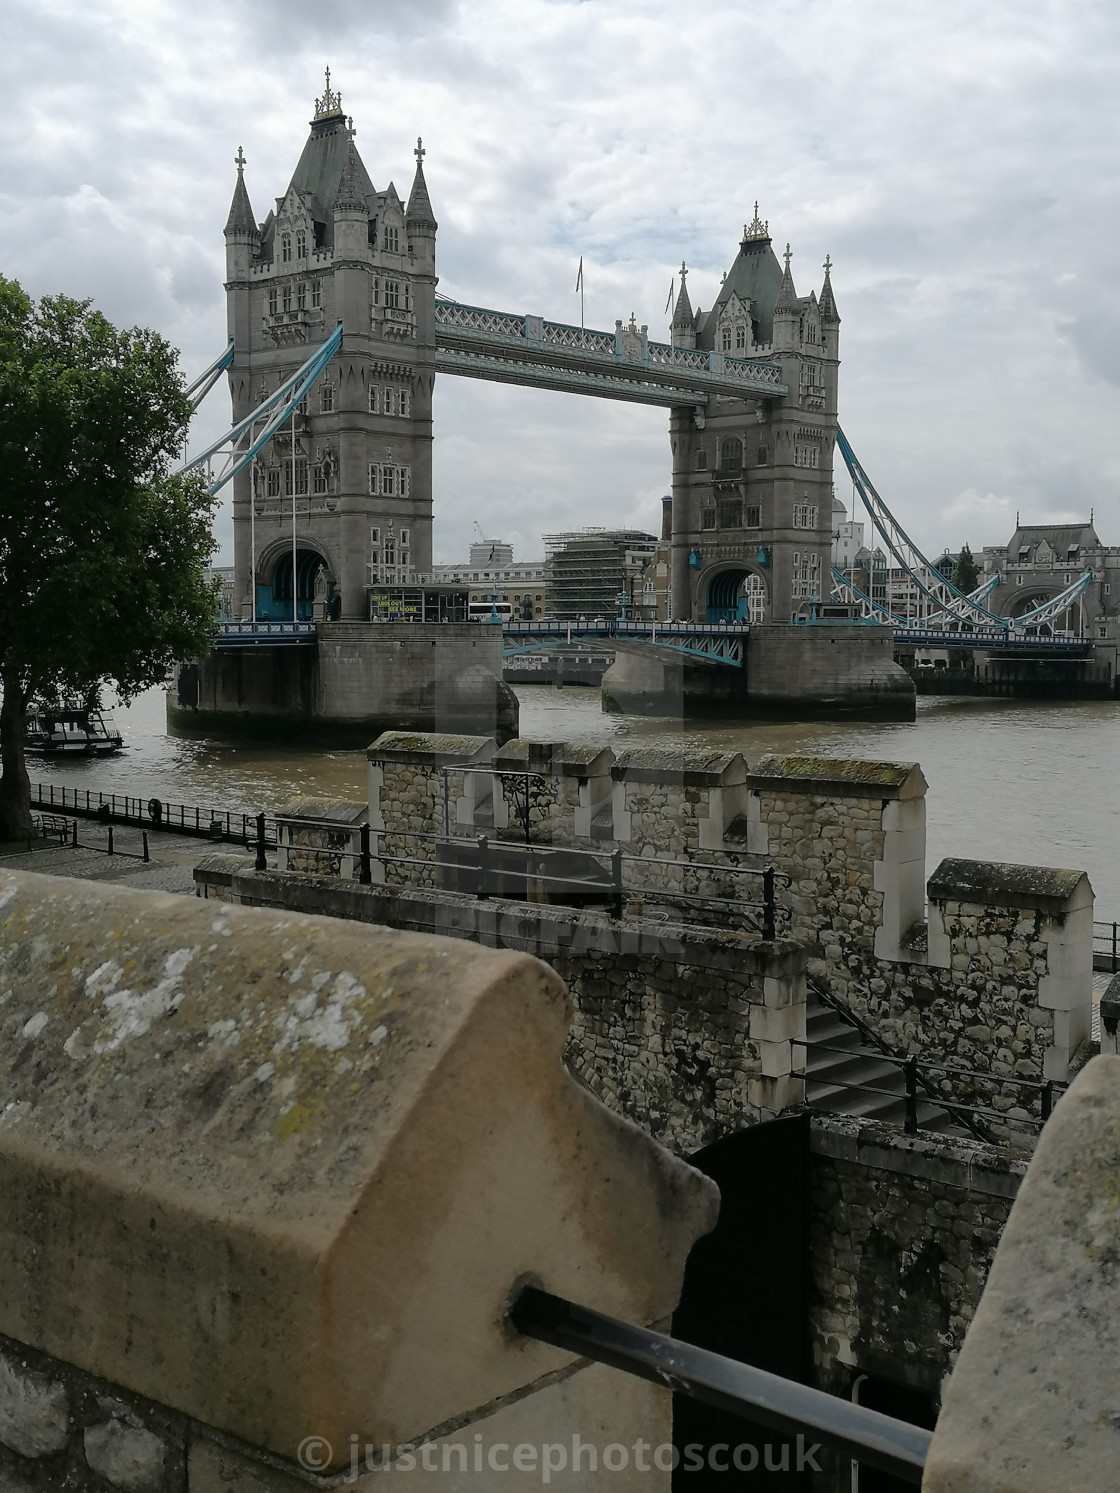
x=684, y=1030
x=902, y=1236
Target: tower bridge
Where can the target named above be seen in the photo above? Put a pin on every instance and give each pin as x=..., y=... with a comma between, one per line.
x=336, y=335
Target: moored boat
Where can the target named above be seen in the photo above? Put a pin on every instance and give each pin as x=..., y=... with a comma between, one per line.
x=71, y=731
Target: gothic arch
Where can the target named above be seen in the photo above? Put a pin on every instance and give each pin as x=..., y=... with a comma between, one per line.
x=735, y=592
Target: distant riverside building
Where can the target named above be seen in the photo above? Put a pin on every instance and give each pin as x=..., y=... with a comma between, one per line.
x=847, y=538
x=596, y=572
x=522, y=584
x=357, y=467
x=223, y=574
x=491, y=552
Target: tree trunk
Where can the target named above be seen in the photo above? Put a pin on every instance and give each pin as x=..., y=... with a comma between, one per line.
x=15, y=786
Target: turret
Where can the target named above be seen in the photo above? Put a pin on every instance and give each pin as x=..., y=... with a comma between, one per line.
x=241, y=231
x=419, y=219
x=683, y=333
x=351, y=213
x=786, y=311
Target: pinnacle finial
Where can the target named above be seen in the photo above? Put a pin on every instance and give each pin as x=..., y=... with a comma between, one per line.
x=787, y=256
x=419, y=152
x=684, y=271
x=827, y=266
x=350, y=130
x=240, y=161
x=756, y=229
x=331, y=102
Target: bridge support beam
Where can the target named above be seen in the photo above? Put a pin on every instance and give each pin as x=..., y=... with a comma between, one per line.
x=680, y=426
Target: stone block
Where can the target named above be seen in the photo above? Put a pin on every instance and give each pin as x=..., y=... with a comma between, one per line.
x=287, y=1141
x=128, y=1456
x=34, y=1410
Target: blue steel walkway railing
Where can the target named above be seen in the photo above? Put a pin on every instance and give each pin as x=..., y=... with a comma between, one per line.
x=718, y=642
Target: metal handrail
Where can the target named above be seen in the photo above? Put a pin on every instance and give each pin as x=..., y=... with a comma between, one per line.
x=871, y=1035
x=739, y=1388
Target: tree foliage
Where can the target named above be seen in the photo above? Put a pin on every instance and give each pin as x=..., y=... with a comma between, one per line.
x=966, y=572
x=101, y=549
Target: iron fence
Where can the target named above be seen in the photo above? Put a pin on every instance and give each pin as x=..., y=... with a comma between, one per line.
x=153, y=813
x=1106, y=947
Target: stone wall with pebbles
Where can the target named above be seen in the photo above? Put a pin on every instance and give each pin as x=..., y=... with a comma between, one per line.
x=62, y=1429
x=903, y=1230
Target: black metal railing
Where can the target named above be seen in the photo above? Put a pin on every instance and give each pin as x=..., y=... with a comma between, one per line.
x=204, y=822
x=785, y=1406
x=915, y=1089
x=884, y=1050
x=498, y=868
x=1106, y=947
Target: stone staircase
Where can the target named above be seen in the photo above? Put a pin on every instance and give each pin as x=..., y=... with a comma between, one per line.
x=844, y=1075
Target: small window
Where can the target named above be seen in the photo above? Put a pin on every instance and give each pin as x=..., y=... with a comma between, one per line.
x=286, y=298
x=376, y=290
x=701, y=460
x=725, y=340
x=286, y=248
x=403, y=401
x=754, y=516
x=392, y=240
x=731, y=513
x=1024, y=556
x=316, y=292
x=404, y=536
x=326, y=399
x=731, y=455
x=374, y=399
x=763, y=455
x=708, y=518
x=272, y=307
x=273, y=488
x=1071, y=554
x=320, y=478
x=804, y=516
x=392, y=294
x=374, y=479
x=1018, y=580
x=301, y=243
x=300, y=476
x=1106, y=588
x=390, y=405
x=388, y=482
x=301, y=296
x=740, y=338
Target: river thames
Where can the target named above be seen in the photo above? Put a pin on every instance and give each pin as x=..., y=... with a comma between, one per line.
x=1022, y=781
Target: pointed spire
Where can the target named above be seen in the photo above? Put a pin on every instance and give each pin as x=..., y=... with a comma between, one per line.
x=351, y=196
x=682, y=311
x=241, y=218
x=419, y=210
x=828, y=300
x=787, y=295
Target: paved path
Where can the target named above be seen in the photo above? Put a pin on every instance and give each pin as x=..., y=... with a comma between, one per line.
x=170, y=869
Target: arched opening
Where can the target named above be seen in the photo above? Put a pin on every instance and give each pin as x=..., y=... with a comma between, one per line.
x=1068, y=622
x=736, y=596
x=274, y=594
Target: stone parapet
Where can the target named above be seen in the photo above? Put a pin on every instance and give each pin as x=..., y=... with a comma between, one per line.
x=280, y=1175
x=415, y=792
x=687, y=1031
x=1031, y=1405
x=564, y=789
x=320, y=835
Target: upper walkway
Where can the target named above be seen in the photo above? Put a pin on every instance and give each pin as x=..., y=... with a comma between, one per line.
x=499, y=345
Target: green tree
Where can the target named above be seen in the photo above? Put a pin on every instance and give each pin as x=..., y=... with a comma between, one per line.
x=101, y=549
x=966, y=572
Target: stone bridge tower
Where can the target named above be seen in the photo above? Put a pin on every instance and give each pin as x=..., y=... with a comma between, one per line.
x=334, y=249
x=752, y=477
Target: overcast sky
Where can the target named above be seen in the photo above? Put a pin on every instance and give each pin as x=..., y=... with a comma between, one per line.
x=959, y=162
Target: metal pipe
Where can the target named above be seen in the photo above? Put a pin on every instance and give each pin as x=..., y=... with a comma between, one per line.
x=768, y=1399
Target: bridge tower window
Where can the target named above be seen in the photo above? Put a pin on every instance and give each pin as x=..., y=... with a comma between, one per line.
x=740, y=338
x=391, y=242
x=316, y=292
x=326, y=399
x=286, y=298
x=286, y=248
x=301, y=296
x=392, y=294
x=301, y=243
x=731, y=454
x=725, y=340
x=272, y=301
x=273, y=487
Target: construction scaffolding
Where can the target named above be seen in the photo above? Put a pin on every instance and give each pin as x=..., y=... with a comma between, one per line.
x=596, y=572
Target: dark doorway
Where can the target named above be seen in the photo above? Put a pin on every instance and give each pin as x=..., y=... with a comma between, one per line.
x=901, y=1402
x=746, y=1296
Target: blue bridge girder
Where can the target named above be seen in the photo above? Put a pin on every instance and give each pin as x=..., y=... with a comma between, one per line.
x=475, y=342
x=716, y=643
x=266, y=634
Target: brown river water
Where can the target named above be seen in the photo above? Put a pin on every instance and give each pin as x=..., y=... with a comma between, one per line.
x=1021, y=781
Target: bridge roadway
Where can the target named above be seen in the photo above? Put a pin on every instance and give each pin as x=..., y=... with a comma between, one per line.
x=718, y=642
x=475, y=342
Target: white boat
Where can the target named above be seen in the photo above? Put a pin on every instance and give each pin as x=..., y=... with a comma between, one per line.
x=71, y=731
